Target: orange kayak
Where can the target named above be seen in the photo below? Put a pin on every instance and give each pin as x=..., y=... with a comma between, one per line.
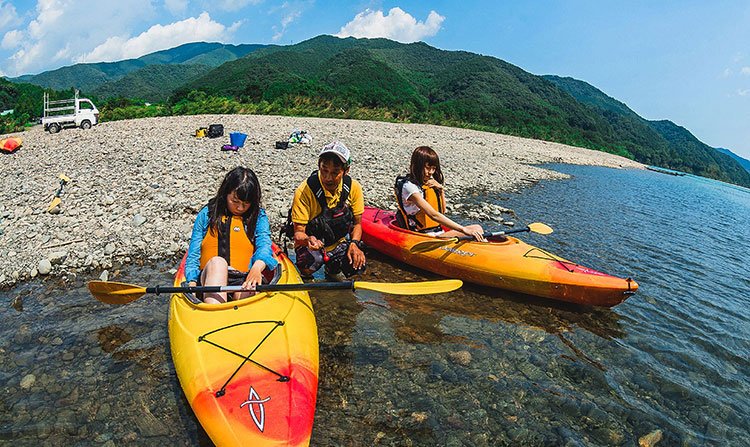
x=249, y=368
x=510, y=264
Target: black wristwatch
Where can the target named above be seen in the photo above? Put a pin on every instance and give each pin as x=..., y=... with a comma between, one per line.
x=361, y=245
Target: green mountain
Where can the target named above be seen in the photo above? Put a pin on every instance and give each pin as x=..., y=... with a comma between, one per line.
x=744, y=162
x=154, y=83
x=88, y=76
x=84, y=76
x=666, y=144
x=211, y=54
x=413, y=82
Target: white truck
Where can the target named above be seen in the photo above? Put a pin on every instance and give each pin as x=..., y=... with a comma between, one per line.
x=74, y=112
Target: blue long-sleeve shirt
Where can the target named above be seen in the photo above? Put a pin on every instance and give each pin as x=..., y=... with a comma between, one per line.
x=200, y=228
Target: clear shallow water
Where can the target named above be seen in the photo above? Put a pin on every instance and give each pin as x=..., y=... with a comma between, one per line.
x=478, y=367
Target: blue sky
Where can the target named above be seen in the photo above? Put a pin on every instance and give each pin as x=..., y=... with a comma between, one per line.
x=686, y=61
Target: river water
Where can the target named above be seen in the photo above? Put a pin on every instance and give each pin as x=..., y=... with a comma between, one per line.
x=476, y=367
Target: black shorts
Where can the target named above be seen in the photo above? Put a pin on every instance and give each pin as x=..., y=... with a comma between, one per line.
x=234, y=277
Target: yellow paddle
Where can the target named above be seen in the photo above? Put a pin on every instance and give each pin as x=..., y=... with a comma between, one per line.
x=56, y=200
x=422, y=247
x=121, y=293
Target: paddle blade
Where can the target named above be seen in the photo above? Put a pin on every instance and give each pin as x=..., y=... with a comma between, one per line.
x=115, y=292
x=411, y=288
x=56, y=201
x=538, y=227
x=425, y=246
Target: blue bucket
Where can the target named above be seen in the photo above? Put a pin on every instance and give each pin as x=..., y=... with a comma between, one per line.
x=237, y=139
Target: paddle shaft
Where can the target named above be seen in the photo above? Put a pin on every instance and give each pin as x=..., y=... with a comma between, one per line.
x=496, y=233
x=344, y=285
x=59, y=190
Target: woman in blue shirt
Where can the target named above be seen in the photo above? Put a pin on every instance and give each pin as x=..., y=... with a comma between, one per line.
x=231, y=240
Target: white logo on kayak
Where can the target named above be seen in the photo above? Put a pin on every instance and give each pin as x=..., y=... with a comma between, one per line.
x=458, y=252
x=259, y=415
x=237, y=229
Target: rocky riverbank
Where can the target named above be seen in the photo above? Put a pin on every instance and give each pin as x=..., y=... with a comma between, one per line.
x=135, y=186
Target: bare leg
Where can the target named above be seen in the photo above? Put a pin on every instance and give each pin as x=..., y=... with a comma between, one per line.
x=215, y=274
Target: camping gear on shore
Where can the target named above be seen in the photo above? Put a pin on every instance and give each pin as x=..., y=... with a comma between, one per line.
x=201, y=132
x=56, y=199
x=10, y=145
x=249, y=368
x=237, y=139
x=215, y=131
x=299, y=137
x=506, y=263
x=282, y=144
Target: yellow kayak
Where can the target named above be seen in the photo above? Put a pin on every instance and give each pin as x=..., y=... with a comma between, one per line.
x=249, y=368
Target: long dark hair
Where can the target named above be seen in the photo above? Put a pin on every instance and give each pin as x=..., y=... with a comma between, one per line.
x=245, y=184
x=424, y=155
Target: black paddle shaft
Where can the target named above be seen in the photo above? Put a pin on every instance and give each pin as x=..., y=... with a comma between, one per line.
x=348, y=285
x=59, y=190
x=496, y=233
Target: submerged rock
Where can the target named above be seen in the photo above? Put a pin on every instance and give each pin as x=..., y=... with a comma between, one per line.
x=462, y=358
x=27, y=381
x=17, y=304
x=650, y=439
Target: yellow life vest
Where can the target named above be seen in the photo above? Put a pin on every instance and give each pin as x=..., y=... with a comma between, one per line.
x=237, y=249
x=420, y=222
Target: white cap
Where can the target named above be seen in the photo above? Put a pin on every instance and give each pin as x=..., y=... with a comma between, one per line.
x=339, y=149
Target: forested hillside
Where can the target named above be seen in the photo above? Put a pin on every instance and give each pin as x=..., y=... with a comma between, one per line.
x=414, y=82
x=153, y=83
x=666, y=144
x=744, y=162
x=87, y=77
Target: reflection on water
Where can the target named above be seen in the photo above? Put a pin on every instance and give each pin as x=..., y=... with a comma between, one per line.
x=472, y=367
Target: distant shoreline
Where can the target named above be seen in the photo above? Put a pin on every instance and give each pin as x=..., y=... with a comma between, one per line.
x=154, y=168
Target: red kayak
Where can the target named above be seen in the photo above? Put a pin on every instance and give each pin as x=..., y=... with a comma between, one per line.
x=510, y=264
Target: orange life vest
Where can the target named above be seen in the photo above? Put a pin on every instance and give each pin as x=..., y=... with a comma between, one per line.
x=420, y=222
x=237, y=248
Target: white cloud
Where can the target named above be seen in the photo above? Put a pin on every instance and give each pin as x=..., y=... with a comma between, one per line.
x=57, y=30
x=286, y=21
x=8, y=14
x=745, y=71
x=12, y=39
x=176, y=7
x=156, y=38
x=743, y=92
x=396, y=25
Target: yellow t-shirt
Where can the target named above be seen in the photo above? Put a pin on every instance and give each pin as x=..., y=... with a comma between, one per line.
x=305, y=206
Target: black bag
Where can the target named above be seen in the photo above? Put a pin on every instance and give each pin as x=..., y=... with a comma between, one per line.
x=215, y=131
x=282, y=144
x=287, y=231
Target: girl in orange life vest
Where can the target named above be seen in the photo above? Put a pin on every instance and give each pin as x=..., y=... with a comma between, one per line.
x=425, y=181
x=231, y=239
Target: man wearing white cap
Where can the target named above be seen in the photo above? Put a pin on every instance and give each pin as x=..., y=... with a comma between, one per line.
x=327, y=216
